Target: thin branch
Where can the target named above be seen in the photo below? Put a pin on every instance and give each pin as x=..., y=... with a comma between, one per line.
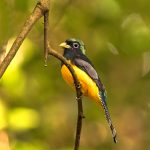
x=48, y=49
x=79, y=123
x=37, y=13
x=78, y=95
x=46, y=27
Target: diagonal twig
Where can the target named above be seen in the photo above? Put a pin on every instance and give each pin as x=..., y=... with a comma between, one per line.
x=78, y=95
x=37, y=13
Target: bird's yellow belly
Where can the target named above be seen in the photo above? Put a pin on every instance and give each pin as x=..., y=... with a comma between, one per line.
x=88, y=86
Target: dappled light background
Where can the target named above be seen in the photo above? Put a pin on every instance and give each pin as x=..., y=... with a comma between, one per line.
x=38, y=110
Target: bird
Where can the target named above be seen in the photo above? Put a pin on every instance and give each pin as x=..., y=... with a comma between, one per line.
x=91, y=85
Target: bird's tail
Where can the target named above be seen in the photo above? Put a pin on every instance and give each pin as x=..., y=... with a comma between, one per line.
x=107, y=115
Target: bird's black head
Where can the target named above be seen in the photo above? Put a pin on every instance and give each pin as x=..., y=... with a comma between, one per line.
x=73, y=48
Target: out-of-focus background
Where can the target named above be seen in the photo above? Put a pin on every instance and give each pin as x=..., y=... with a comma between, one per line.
x=38, y=110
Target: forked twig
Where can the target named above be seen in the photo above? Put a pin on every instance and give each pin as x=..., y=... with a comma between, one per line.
x=49, y=50
x=32, y=19
x=42, y=9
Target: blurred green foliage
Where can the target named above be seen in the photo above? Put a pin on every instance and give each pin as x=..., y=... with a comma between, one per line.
x=37, y=107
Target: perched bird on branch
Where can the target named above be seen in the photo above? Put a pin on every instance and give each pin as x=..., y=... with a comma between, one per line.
x=91, y=85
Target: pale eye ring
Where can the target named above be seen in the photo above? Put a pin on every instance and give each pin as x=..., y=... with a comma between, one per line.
x=75, y=45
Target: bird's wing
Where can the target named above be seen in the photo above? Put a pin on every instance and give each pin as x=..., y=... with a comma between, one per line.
x=87, y=66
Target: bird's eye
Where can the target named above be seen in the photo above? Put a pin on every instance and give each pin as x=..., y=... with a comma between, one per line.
x=75, y=45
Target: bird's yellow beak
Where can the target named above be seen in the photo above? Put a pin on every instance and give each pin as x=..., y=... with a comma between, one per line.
x=64, y=45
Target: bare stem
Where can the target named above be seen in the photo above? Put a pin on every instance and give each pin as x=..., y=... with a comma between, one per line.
x=46, y=27
x=78, y=95
x=79, y=123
